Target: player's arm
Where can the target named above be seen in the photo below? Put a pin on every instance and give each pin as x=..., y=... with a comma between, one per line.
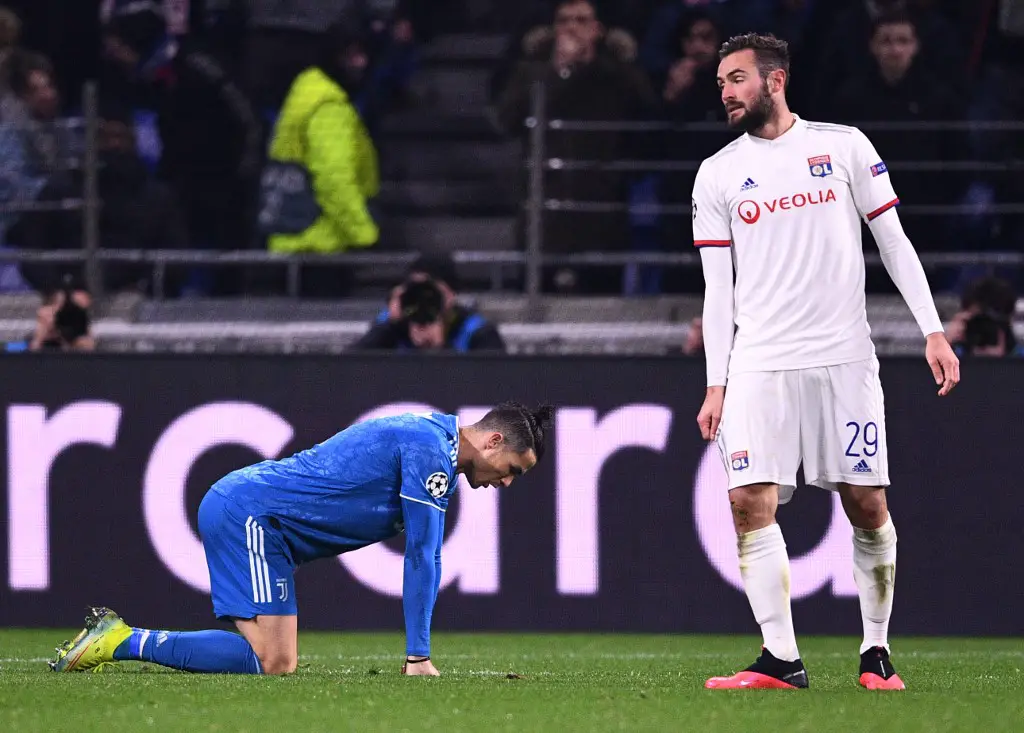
x=437, y=559
x=876, y=201
x=423, y=525
x=423, y=514
x=712, y=236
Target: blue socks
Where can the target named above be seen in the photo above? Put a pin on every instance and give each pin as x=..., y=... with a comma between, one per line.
x=191, y=651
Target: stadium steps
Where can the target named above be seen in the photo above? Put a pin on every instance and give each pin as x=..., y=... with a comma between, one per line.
x=465, y=49
x=451, y=198
x=428, y=125
x=453, y=88
x=452, y=160
x=450, y=181
x=444, y=234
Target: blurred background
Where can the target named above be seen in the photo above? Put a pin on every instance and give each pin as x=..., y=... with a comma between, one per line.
x=241, y=175
x=222, y=220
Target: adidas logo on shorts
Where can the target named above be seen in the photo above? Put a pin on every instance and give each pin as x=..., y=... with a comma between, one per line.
x=862, y=467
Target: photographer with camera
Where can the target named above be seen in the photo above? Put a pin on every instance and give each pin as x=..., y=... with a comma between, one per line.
x=984, y=324
x=62, y=323
x=988, y=334
x=423, y=313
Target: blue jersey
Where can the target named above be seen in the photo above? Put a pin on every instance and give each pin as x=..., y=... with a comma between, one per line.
x=364, y=485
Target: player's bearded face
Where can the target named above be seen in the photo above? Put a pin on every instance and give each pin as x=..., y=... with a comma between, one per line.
x=754, y=113
x=497, y=466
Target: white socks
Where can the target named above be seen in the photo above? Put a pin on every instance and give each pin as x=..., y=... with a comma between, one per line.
x=764, y=565
x=874, y=569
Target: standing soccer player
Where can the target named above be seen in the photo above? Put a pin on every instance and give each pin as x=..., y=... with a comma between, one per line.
x=362, y=486
x=780, y=209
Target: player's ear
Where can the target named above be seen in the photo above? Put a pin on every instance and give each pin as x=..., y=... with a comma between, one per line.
x=494, y=440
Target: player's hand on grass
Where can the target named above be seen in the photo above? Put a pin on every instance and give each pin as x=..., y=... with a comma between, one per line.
x=710, y=414
x=422, y=668
x=944, y=363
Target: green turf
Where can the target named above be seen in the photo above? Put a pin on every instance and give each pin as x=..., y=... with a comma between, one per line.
x=565, y=683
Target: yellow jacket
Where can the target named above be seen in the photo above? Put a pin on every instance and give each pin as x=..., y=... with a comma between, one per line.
x=320, y=129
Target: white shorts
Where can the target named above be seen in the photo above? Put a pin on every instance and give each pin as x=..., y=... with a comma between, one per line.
x=831, y=419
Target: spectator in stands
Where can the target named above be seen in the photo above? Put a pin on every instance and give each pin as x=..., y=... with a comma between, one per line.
x=898, y=87
x=31, y=113
x=588, y=76
x=394, y=58
x=986, y=295
x=322, y=147
x=138, y=212
x=210, y=135
x=986, y=334
x=285, y=38
x=63, y=323
x=423, y=313
x=10, y=34
x=690, y=95
x=688, y=87
x=660, y=48
x=36, y=152
x=845, y=53
x=998, y=95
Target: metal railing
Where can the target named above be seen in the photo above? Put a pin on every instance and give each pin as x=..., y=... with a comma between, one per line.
x=538, y=203
x=495, y=261
x=534, y=257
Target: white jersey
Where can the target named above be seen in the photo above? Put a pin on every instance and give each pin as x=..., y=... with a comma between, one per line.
x=791, y=210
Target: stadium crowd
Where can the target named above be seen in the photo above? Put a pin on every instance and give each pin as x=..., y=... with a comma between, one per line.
x=257, y=125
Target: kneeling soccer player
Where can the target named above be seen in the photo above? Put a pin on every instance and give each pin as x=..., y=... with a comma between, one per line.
x=364, y=485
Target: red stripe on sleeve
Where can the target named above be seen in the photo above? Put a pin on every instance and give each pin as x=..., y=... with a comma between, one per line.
x=882, y=209
x=712, y=243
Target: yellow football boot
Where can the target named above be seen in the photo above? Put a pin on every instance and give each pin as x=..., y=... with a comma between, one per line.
x=94, y=646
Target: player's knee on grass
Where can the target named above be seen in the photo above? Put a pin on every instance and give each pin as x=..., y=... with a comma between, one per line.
x=275, y=659
x=274, y=639
x=753, y=506
x=865, y=506
x=278, y=662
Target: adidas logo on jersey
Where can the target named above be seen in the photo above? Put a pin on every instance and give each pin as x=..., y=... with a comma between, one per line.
x=862, y=467
x=748, y=184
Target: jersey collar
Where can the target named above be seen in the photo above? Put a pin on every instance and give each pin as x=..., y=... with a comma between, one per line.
x=790, y=136
x=453, y=442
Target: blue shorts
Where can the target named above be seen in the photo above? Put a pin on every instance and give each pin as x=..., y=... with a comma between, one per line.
x=251, y=571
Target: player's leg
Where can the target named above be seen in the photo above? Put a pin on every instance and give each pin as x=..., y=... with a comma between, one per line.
x=251, y=583
x=874, y=570
x=759, y=442
x=213, y=650
x=107, y=639
x=245, y=561
x=852, y=458
x=275, y=640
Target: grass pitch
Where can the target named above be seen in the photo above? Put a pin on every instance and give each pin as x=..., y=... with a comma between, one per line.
x=522, y=683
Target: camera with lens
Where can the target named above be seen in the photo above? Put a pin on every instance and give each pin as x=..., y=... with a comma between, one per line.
x=71, y=321
x=987, y=330
x=421, y=302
